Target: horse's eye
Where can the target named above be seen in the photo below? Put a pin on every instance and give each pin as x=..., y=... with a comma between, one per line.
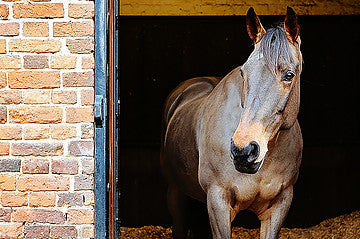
x=288, y=76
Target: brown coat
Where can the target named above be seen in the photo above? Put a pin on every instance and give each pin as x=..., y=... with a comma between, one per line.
x=211, y=124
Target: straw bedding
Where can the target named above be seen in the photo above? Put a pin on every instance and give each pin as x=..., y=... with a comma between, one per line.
x=345, y=226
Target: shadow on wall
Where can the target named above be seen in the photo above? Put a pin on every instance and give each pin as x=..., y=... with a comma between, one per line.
x=157, y=53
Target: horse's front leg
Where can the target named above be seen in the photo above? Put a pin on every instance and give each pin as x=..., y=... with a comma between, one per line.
x=219, y=213
x=273, y=218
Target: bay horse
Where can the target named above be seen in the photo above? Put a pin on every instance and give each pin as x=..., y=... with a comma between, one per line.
x=235, y=143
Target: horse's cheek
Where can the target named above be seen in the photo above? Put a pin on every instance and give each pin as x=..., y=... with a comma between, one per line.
x=292, y=107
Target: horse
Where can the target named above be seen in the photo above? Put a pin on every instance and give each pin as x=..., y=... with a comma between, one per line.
x=235, y=143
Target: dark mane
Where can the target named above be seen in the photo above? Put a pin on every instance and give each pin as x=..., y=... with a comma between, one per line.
x=275, y=47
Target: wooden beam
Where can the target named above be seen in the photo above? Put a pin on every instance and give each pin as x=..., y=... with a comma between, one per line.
x=236, y=7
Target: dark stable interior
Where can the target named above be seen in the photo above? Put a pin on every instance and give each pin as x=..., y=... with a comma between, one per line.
x=157, y=53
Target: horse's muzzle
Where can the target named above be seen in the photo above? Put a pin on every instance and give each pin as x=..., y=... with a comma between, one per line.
x=244, y=159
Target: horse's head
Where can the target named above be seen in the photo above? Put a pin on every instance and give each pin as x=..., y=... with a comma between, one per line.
x=271, y=91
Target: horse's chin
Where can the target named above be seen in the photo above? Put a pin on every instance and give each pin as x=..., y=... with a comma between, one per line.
x=250, y=168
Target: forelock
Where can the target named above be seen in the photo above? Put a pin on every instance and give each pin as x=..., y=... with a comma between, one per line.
x=275, y=48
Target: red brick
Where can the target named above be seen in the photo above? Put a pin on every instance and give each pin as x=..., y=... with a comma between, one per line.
x=34, y=79
x=81, y=148
x=10, y=165
x=13, y=230
x=88, y=62
x=37, y=149
x=5, y=214
x=38, y=215
x=73, y=29
x=36, y=62
x=64, y=97
x=4, y=148
x=42, y=115
x=14, y=199
x=80, y=216
x=3, y=79
x=10, y=62
x=43, y=183
x=2, y=46
x=36, y=232
x=81, y=10
x=88, y=231
x=36, y=29
x=42, y=199
x=80, y=46
x=36, y=132
x=70, y=199
x=9, y=29
x=89, y=198
x=36, y=97
x=35, y=166
x=4, y=11
x=87, y=97
x=63, y=131
x=10, y=132
x=63, y=62
x=77, y=115
x=10, y=97
x=88, y=166
x=34, y=46
x=45, y=10
x=7, y=182
x=64, y=166
x=71, y=79
x=87, y=131
x=84, y=182
x=3, y=114
x=63, y=232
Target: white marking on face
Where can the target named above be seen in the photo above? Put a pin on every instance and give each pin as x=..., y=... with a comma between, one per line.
x=261, y=157
x=262, y=162
x=246, y=133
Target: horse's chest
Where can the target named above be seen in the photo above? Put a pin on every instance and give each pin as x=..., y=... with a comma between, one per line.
x=250, y=191
x=270, y=188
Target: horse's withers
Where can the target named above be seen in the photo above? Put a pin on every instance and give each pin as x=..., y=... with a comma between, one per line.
x=236, y=144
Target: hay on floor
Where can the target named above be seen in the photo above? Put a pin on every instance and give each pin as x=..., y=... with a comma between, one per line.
x=345, y=226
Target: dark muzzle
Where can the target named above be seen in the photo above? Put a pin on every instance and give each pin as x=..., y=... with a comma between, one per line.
x=244, y=159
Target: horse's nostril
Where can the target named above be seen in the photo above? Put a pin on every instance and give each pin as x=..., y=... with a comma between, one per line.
x=234, y=149
x=249, y=153
x=255, y=149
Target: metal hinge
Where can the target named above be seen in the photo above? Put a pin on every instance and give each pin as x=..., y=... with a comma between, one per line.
x=99, y=111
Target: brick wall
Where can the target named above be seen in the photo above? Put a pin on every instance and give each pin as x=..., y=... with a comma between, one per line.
x=46, y=119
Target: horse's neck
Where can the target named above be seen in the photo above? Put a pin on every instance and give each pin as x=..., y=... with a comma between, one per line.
x=228, y=91
x=223, y=104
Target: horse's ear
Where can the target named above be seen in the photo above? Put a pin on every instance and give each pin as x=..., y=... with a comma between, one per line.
x=254, y=27
x=291, y=25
